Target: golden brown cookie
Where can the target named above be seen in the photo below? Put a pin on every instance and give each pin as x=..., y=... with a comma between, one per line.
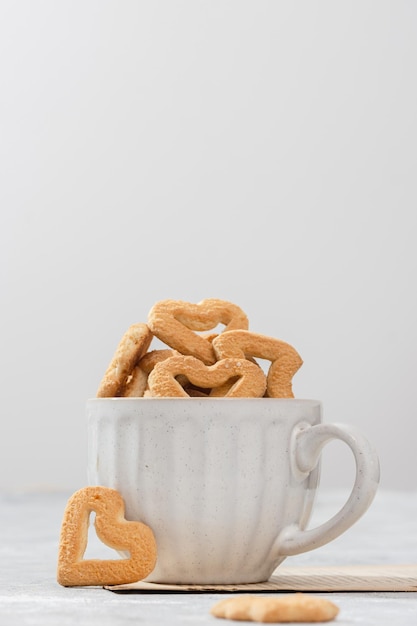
x=296, y=607
x=138, y=380
x=133, y=345
x=250, y=380
x=285, y=360
x=174, y=323
x=136, y=384
x=114, y=530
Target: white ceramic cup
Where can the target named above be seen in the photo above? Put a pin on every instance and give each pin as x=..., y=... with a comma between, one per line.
x=226, y=484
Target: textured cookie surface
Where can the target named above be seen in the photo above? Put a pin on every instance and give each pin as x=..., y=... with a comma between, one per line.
x=137, y=383
x=131, y=348
x=285, y=360
x=174, y=323
x=249, y=380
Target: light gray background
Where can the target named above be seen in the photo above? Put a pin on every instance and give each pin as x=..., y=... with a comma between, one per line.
x=260, y=152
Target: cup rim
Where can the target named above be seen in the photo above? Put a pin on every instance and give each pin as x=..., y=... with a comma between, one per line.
x=163, y=399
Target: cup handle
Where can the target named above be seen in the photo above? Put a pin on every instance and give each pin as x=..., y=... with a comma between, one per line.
x=308, y=443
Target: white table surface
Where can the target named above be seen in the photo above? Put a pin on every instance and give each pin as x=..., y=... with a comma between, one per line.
x=29, y=594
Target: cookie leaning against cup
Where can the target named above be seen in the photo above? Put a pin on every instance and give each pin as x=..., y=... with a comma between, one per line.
x=114, y=530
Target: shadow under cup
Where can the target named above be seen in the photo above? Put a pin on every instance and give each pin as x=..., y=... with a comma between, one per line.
x=226, y=484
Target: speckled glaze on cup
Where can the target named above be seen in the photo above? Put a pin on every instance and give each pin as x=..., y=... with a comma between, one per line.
x=226, y=484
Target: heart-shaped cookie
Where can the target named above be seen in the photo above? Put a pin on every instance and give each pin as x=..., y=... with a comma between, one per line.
x=248, y=380
x=174, y=323
x=114, y=530
x=285, y=360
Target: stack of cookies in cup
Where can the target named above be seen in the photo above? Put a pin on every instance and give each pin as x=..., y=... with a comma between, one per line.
x=195, y=362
